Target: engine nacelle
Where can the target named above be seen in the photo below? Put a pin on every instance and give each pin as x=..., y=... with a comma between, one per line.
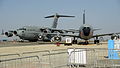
x=15, y=33
x=114, y=36
x=8, y=34
x=46, y=31
x=56, y=39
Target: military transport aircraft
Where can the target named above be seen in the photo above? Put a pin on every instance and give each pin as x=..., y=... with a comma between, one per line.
x=33, y=33
x=86, y=32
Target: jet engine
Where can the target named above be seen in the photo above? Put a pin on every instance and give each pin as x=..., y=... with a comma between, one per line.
x=41, y=36
x=56, y=39
x=46, y=31
x=114, y=36
x=15, y=33
x=8, y=34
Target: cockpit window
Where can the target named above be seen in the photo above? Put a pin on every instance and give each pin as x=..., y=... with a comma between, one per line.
x=86, y=31
x=88, y=28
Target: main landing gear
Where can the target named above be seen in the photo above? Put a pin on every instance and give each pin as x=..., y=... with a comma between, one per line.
x=96, y=41
x=86, y=42
x=74, y=41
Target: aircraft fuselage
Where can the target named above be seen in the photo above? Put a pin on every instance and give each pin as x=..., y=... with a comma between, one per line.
x=32, y=33
x=86, y=32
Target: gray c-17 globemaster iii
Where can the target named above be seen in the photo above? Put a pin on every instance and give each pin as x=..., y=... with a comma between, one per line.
x=34, y=33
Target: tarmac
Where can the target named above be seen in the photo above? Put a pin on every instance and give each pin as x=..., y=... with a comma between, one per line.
x=19, y=47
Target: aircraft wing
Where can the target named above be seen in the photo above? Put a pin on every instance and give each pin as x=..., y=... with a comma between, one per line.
x=61, y=34
x=63, y=30
x=60, y=30
x=96, y=29
x=108, y=34
x=70, y=35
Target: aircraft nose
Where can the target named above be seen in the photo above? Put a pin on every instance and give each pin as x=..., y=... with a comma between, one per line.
x=86, y=31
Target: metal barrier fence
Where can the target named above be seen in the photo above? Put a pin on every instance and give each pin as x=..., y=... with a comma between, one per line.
x=62, y=58
x=8, y=56
x=23, y=62
x=104, y=61
x=57, y=60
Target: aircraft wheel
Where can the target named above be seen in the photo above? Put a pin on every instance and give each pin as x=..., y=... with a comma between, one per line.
x=74, y=41
x=86, y=43
x=96, y=41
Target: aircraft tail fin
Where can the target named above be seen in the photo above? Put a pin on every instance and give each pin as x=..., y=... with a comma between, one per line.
x=56, y=16
x=84, y=17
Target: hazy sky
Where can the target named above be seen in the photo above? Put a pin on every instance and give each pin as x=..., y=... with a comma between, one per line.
x=103, y=14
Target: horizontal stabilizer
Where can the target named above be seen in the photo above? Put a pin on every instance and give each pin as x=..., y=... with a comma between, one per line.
x=56, y=15
x=96, y=29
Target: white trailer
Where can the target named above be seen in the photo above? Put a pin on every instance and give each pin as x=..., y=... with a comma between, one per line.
x=68, y=41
